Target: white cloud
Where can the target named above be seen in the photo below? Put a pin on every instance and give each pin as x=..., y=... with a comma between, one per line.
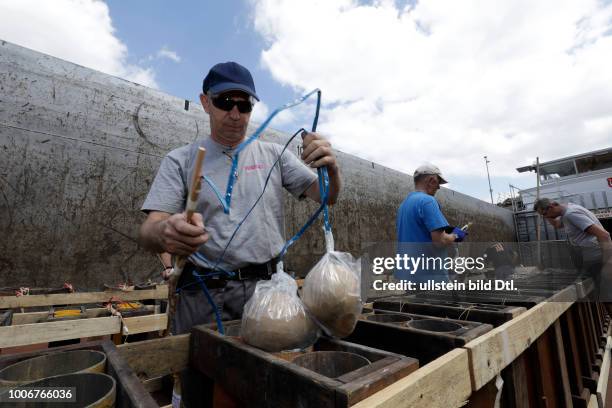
x=448, y=82
x=79, y=31
x=165, y=52
x=261, y=111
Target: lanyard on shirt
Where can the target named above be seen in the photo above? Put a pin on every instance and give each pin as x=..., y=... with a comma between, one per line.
x=227, y=200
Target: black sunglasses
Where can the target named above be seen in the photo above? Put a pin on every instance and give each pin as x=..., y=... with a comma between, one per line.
x=226, y=103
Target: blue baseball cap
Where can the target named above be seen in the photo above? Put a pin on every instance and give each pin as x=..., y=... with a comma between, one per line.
x=229, y=76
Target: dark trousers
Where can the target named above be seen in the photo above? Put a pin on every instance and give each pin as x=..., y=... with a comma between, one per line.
x=193, y=309
x=504, y=272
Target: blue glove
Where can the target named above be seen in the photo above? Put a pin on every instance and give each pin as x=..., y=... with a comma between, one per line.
x=461, y=234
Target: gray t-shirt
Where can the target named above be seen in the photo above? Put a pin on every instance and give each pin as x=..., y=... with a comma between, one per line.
x=261, y=237
x=576, y=219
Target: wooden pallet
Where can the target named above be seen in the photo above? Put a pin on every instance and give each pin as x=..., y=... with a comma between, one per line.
x=33, y=328
x=80, y=298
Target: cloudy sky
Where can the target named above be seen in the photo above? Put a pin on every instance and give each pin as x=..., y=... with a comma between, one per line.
x=403, y=81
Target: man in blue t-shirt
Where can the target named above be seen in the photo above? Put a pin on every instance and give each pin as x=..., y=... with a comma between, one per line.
x=422, y=229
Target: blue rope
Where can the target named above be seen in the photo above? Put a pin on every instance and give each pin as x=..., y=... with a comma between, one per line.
x=323, y=179
x=323, y=192
x=226, y=202
x=220, y=258
x=211, y=301
x=322, y=171
x=217, y=193
x=201, y=260
x=302, y=230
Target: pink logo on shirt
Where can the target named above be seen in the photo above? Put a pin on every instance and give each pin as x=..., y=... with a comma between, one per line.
x=254, y=167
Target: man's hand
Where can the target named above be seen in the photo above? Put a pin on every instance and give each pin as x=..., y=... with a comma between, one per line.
x=163, y=232
x=555, y=222
x=441, y=238
x=318, y=152
x=166, y=273
x=460, y=234
x=180, y=237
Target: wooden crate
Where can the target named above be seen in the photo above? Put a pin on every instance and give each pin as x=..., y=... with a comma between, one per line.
x=495, y=315
x=29, y=328
x=81, y=298
x=497, y=297
x=401, y=338
x=257, y=378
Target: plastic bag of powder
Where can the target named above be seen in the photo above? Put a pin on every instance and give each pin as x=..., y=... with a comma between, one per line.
x=274, y=318
x=332, y=291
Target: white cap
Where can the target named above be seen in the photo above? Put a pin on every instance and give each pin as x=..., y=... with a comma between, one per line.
x=430, y=169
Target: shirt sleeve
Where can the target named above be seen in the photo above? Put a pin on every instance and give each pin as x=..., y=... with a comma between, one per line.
x=578, y=219
x=168, y=192
x=431, y=215
x=296, y=176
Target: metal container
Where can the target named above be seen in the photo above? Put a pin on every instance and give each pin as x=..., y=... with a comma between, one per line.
x=53, y=364
x=332, y=364
x=92, y=390
x=388, y=318
x=434, y=325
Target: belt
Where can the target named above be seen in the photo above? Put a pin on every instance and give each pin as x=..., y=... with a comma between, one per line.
x=251, y=271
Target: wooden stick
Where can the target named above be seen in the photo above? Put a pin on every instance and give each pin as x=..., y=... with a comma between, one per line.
x=192, y=200
x=81, y=298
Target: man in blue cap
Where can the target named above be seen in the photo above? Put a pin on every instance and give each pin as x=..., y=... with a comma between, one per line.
x=228, y=95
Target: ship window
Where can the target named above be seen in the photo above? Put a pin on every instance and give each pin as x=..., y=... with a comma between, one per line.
x=594, y=162
x=557, y=170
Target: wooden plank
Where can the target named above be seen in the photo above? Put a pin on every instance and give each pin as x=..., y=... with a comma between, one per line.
x=516, y=311
x=584, y=288
x=574, y=362
x=585, y=348
x=516, y=383
x=40, y=317
x=361, y=386
x=144, y=324
x=130, y=391
x=493, y=351
x=81, y=298
x=548, y=386
x=484, y=397
x=442, y=383
x=602, y=385
x=154, y=384
x=11, y=336
x=608, y=398
x=561, y=362
x=158, y=357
